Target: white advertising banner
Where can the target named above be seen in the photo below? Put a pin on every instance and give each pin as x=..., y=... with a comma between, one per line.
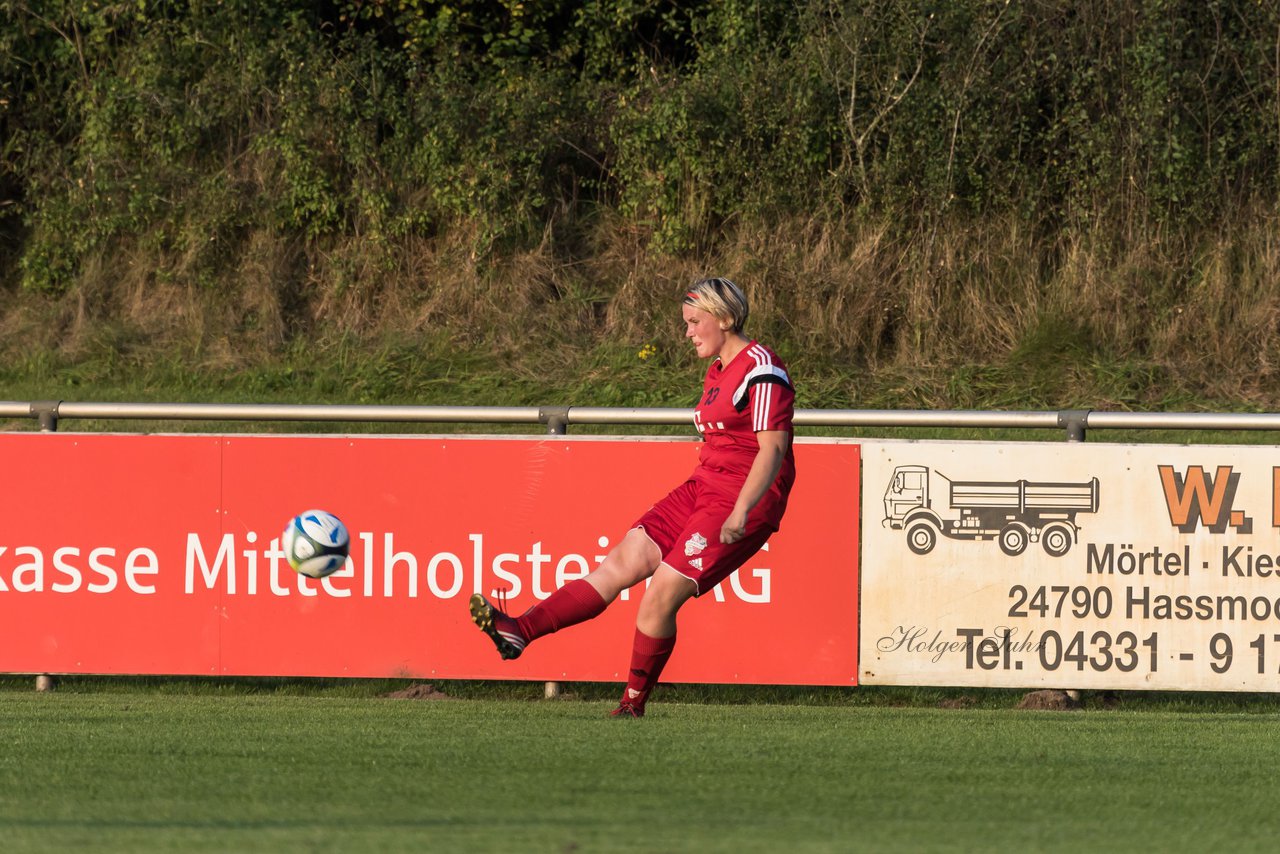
x=1070, y=566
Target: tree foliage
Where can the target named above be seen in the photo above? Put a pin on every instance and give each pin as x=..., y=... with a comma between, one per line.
x=184, y=126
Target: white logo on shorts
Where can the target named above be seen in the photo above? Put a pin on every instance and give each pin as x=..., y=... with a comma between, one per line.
x=694, y=545
x=696, y=563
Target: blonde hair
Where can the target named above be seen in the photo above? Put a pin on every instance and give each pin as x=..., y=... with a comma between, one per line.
x=720, y=298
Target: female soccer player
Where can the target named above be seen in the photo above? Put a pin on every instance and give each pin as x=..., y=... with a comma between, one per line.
x=707, y=526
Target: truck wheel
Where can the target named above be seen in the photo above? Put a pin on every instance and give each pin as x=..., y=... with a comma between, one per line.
x=1013, y=540
x=1056, y=540
x=921, y=538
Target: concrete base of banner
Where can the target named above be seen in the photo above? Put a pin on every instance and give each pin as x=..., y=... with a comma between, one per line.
x=45, y=682
x=551, y=691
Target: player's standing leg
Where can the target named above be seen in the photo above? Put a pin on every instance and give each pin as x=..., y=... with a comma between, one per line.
x=655, y=637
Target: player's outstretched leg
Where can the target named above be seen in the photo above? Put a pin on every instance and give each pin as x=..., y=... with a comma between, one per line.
x=574, y=603
x=501, y=629
x=627, y=564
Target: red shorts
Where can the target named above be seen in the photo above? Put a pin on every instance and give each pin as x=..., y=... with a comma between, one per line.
x=686, y=526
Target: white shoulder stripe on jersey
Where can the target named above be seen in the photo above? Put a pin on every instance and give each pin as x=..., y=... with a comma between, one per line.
x=764, y=402
x=765, y=371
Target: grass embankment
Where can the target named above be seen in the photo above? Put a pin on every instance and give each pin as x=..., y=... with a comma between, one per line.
x=978, y=205
x=972, y=321
x=132, y=769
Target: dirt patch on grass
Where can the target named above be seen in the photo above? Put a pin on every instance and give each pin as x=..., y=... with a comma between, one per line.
x=1050, y=701
x=962, y=702
x=418, y=691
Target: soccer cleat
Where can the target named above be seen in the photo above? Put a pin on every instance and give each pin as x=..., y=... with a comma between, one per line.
x=500, y=628
x=627, y=710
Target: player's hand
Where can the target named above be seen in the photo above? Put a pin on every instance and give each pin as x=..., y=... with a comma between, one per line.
x=735, y=527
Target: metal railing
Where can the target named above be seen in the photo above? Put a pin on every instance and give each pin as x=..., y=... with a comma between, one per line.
x=557, y=419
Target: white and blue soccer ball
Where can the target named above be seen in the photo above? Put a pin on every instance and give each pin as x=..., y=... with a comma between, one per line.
x=316, y=543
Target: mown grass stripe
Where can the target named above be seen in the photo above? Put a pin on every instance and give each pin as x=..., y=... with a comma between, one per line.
x=144, y=770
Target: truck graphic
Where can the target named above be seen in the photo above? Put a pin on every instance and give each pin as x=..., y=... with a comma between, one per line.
x=926, y=503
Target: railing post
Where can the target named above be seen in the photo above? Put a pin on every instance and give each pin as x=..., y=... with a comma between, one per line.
x=557, y=420
x=1076, y=422
x=46, y=412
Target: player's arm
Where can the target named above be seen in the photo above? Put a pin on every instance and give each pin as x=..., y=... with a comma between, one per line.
x=764, y=471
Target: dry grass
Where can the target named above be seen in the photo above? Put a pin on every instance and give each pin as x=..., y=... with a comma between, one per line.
x=964, y=312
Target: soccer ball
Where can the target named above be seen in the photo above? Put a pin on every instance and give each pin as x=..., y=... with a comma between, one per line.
x=316, y=543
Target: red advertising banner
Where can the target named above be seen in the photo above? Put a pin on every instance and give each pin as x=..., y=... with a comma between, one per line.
x=129, y=554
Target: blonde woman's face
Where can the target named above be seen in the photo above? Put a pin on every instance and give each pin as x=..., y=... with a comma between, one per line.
x=704, y=330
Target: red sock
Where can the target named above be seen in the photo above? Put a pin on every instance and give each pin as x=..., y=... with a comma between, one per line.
x=575, y=602
x=648, y=657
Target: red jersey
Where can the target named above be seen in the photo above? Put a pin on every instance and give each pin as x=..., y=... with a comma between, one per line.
x=751, y=394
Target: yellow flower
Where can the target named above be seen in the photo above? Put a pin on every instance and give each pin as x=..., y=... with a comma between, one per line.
x=647, y=351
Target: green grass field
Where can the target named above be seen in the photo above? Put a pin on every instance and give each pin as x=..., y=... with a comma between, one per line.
x=133, y=768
